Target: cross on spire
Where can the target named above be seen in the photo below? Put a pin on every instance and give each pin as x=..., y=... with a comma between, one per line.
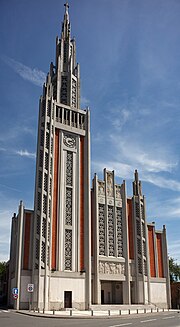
x=66, y=5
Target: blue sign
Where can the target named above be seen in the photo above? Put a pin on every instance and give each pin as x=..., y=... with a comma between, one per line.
x=15, y=290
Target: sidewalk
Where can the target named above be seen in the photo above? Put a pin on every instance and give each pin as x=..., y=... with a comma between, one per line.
x=90, y=313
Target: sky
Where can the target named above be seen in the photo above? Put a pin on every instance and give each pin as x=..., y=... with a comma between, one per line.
x=129, y=53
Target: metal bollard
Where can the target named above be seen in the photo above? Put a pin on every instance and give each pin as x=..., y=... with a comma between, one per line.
x=71, y=312
x=92, y=313
x=120, y=312
x=137, y=311
x=144, y=310
x=53, y=312
x=38, y=310
x=151, y=310
x=129, y=311
x=109, y=312
x=43, y=310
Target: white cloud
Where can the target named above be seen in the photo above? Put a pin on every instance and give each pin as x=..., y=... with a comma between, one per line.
x=32, y=75
x=25, y=153
x=121, y=170
x=10, y=188
x=5, y=220
x=174, y=249
x=153, y=160
x=84, y=101
x=126, y=171
x=161, y=181
x=120, y=122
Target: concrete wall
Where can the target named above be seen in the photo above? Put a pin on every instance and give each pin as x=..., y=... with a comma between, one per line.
x=59, y=285
x=158, y=294
x=146, y=292
x=25, y=280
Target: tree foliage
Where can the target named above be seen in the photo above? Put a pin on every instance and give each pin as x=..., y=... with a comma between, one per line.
x=174, y=270
x=2, y=268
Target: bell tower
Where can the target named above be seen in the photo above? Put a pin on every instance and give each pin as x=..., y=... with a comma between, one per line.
x=61, y=250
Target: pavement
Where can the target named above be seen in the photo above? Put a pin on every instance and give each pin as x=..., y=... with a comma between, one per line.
x=70, y=313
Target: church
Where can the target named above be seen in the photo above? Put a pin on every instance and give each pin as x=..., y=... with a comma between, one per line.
x=83, y=244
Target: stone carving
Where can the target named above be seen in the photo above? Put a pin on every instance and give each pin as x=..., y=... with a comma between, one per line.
x=111, y=230
x=101, y=188
x=111, y=268
x=119, y=203
x=69, y=141
x=109, y=184
x=101, y=267
x=101, y=230
x=69, y=168
x=68, y=219
x=119, y=232
x=68, y=249
x=122, y=269
x=118, y=192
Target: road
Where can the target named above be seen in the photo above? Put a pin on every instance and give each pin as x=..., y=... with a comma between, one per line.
x=167, y=319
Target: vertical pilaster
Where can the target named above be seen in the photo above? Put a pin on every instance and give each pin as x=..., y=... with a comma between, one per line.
x=155, y=251
x=87, y=212
x=147, y=254
x=126, y=290
x=166, y=266
x=19, y=254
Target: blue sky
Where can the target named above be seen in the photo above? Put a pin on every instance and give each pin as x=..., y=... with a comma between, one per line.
x=129, y=53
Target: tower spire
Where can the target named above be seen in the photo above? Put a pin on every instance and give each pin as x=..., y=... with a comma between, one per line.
x=137, y=189
x=66, y=22
x=66, y=5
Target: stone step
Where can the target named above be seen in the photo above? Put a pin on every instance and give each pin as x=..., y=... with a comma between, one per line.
x=103, y=307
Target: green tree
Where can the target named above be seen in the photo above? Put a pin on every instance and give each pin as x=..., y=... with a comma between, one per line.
x=174, y=270
x=2, y=268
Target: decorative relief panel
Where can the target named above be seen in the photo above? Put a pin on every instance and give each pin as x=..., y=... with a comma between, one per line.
x=101, y=230
x=111, y=230
x=137, y=210
x=69, y=168
x=118, y=192
x=119, y=203
x=69, y=141
x=101, y=188
x=68, y=249
x=112, y=268
x=101, y=200
x=110, y=202
x=109, y=184
x=145, y=267
x=142, y=211
x=68, y=219
x=119, y=232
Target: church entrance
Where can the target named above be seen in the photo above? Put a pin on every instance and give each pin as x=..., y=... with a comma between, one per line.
x=68, y=299
x=111, y=292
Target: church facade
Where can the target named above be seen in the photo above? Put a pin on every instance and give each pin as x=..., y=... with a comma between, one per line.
x=80, y=245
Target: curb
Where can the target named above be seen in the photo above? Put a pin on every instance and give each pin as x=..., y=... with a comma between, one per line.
x=123, y=316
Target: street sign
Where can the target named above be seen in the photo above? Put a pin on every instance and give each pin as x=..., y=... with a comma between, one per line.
x=30, y=288
x=15, y=296
x=15, y=290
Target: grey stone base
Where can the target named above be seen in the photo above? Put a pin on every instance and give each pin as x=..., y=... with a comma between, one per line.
x=60, y=306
